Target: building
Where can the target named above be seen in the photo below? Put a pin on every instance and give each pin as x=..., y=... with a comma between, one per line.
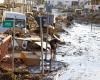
x=95, y=2
x=77, y=3
x=92, y=4
x=19, y=5
x=67, y=2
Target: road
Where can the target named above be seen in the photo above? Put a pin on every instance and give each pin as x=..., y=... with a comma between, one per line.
x=81, y=52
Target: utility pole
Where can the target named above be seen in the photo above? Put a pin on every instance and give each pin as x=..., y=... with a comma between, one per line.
x=13, y=43
x=41, y=33
x=30, y=6
x=13, y=5
x=26, y=7
x=78, y=3
x=47, y=36
x=91, y=15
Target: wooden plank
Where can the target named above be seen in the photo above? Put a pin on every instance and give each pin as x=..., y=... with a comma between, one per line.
x=29, y=39
x=4, y=46
x=44, y=45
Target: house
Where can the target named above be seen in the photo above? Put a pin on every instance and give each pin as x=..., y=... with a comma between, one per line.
x=19, y=5
x=65, y=2
x=92, y=4
x=15, y=5
x=95, y=4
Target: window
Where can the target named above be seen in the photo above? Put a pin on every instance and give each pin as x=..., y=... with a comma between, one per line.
x=18, y=22
x=74, y=3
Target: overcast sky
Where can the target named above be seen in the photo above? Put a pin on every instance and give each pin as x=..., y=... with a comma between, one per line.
x=1, y=1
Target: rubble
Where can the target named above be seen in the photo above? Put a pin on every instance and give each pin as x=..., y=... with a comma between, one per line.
x=93, y=17
x=27, y=49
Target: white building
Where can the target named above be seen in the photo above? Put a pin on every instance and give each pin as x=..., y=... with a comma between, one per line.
x=65, y=2
x=20, y=5
x=90, y=4
x=82, y=3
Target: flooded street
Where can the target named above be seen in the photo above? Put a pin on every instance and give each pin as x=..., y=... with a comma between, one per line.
x=81, y=52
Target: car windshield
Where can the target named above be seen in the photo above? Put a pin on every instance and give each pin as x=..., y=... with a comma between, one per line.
x=18, y=22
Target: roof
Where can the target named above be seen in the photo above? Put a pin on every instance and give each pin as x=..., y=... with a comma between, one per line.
x=16, y=15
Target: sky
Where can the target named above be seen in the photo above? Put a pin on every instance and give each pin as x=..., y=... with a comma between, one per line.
x=1, y=1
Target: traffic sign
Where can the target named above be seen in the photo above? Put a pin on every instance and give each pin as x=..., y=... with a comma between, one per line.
x=8, y=24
